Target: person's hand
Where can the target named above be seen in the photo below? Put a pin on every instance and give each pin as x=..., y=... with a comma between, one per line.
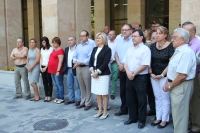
x=130, y=75
x=166, y=88
x=41, y=69
x=153, y=76
x=76, y=65
x=158, y=77
x=94, y=74
x=120, y=67
x=57, y=73
x=29, y=68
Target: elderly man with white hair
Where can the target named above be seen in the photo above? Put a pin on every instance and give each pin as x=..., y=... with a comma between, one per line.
x=181, y=72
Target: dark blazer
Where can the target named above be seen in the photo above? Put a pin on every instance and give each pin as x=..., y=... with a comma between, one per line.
x=103, y=59
x=65, y=61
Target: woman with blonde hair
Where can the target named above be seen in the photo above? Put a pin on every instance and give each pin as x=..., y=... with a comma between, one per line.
x=147, y=35
x=161, y=52
x=33, y=67
x=100, y=72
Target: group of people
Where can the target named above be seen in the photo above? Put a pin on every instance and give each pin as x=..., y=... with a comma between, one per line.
x=150, y=64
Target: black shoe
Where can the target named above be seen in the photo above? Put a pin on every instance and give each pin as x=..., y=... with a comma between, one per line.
x=151, y=112
x=141, y=125
x=27, y=97
x=155, y=124
x=193, y=131
x=160, y=126
x=17, y=97
x=112, y=97
x=129, y=122
x=77, y=103
x=69, y=102
x=45, y=100
x=120, y=113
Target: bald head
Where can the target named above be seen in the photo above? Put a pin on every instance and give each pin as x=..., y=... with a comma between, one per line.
x=106, y=29
x=191, y=29
x=112, y=35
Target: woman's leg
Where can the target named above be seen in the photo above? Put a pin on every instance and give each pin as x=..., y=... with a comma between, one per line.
x=35, y=89
x=105, y=100
x=99, y=102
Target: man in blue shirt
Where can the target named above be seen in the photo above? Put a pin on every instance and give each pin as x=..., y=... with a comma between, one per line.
x=81, y=59
x=121, y=48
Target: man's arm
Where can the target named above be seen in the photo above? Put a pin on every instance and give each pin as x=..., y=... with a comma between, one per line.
x=140, y=69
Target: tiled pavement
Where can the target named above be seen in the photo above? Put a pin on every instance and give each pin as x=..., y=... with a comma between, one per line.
x=19, y=116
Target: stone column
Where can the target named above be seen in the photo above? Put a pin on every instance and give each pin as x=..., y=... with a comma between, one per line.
x=101, y=14
x=174, y=14
x=10, y=29
x=190, y=12
x=82, y=17
x=33, y=20
x=136, y=12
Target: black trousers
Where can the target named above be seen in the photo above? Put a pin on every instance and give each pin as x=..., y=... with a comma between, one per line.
x=47, y=82
x=136, y=98
x=150, y=94
x=123, y=79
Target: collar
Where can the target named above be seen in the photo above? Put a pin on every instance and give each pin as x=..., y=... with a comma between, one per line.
x=139, y=45
x=182, y=47
x=86, y=43
x=112, y=41
x=130, y=37
x=192, y=41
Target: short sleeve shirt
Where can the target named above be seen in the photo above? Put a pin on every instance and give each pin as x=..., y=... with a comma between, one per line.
x=53, y=61
x=183, y=61
x=160, y=58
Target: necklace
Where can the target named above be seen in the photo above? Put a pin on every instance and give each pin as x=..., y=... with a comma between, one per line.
x=160, y=46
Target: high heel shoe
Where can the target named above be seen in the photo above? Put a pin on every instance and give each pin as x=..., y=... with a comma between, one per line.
x=104, y=116
x=155, y=124
x=97, y=115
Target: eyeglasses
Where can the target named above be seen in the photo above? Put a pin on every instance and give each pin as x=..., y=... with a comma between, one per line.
x=82, y=35
x=126, y=29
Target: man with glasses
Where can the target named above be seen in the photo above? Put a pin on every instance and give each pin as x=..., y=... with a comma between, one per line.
x=123, y=44
x=136, y=63
x=81, y=59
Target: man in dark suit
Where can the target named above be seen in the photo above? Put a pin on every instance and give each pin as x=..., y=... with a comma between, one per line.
x=71, y=76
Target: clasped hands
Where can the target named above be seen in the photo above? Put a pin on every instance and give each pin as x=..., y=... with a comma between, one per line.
x=94, y=74
x=156, y=77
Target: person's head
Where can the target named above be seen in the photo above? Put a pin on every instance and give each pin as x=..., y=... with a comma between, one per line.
x=147, y=34
x=156, y=26
x=56, y=42
x=186, y=23
x=180, y=37
x=138, y=37
x=138, y=27
x=101, y=39
x=84, y=35
x=33, y=43
x=191, y=29
x=72, y=41
x=20, y=42
x=153, y=27
x=153, y=37
x=45, y=42
x=106, y=29
x=112, y=35
x=127, y=30
x=162, y=34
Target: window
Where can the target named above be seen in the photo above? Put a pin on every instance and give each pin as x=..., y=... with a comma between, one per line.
x=157, y=11
x=118, y=14
x=25, y=23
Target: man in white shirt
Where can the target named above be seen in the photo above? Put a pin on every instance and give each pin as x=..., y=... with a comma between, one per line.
x=136, y=62
x=181, y=72
x=113, y=65
x=74, y=94
x=122, y=45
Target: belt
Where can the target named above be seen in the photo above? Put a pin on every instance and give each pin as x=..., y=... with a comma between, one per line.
x=83, y=65
x=169, y=80
x=23, y=65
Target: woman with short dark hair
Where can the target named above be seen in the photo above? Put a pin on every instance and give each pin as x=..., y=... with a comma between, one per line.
x=55, y=65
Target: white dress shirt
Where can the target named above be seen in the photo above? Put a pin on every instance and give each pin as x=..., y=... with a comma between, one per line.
x=183, y=61
x=137, y=56
x=92, y=42
x=112, y=46
x=122, y=46
x=45, y=55
x=70, y=56
x=96, y=54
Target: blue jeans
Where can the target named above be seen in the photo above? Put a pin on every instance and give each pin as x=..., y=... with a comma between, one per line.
x=71, y=80
x=58, y=82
